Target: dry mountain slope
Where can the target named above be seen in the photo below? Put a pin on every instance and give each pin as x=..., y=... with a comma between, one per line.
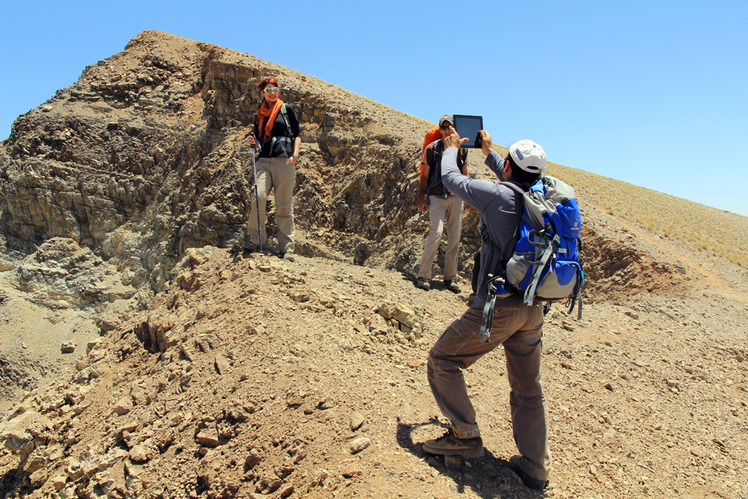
x=218, y=376
x=259, y=376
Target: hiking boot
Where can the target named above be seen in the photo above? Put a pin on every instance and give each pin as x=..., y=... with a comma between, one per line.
x=452, y=286
x=423, y=283
x=250, y=247
x=533, y=483
x=289, y=256
x=449, y=445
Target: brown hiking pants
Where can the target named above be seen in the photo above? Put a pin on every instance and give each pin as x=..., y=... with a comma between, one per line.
x=519, y=328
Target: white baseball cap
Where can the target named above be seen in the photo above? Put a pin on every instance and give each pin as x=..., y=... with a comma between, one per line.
x=529, y=156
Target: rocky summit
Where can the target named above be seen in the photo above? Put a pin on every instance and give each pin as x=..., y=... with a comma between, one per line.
x=141, y=357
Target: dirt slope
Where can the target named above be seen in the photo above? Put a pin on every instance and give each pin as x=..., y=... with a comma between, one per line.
x=273, y=375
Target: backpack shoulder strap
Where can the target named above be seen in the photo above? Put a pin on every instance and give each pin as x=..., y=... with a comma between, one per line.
x=435, y=171
x=462, y=154
x=532, y=211
x=284, y=113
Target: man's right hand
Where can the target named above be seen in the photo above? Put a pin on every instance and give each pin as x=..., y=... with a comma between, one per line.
x=422, y=204
x=453, y=140
x=486, y=144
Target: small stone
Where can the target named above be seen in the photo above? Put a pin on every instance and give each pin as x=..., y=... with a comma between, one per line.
x=58, y=482
x=34, y=462
x=128, y=427
x=300, y=295
x=138, y=454
x=287, y=491
x=359, y=444
x=208, y=438
x=67, y=347
x=252, y=459
x=414, y=362
x=357, y=420
x=351, y=470
x=38, y=478
x=222, y=364
x=93, y=344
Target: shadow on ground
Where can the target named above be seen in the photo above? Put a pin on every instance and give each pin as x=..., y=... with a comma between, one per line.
x=488, y=477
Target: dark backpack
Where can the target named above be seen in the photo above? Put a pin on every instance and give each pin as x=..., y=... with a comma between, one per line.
x=435, y=171
x=545, y=264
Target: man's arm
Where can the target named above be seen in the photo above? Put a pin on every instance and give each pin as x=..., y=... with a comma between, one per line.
x=493, y=160
x=476, y=193
x=428, y=159
x=496, y=164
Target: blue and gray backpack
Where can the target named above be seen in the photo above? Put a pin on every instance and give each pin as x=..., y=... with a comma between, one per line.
x=545, y=265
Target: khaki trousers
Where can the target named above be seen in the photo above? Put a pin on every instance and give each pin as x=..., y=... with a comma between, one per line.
x=441, y=210
x=519, y=328
x=275, y=173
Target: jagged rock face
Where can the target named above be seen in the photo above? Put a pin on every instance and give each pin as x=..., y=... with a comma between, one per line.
x=146, y=156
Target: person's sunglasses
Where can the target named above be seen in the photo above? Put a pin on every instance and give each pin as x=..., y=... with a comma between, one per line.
x=444, y=127
x=267, y=90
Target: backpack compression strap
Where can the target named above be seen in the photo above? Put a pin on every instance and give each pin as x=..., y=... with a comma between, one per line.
x=546, y=251
x=486, y=323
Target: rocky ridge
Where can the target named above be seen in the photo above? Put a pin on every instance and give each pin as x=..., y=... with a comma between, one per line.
x=196, y=372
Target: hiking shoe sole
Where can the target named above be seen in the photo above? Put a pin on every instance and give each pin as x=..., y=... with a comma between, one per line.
x=423, y=284
x=451, y=445
x=531, y=482
x=454, y=452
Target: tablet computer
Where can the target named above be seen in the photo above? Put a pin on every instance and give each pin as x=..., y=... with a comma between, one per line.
x=468, y=126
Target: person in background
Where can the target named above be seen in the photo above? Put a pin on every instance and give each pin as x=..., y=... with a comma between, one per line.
x=430, y=136
x=516, y=326
x=444, y=208
x=278, y=135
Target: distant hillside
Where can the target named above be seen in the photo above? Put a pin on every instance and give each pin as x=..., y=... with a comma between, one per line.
x=711, y=232
x=145, y=156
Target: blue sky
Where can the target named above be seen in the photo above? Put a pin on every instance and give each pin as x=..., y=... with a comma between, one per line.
x=649, y=92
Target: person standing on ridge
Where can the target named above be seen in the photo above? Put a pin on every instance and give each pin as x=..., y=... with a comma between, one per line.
x=277, y=132
x=443, y=207
x=516, y=326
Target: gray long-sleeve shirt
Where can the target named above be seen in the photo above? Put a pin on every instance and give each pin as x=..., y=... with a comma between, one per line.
x=500, y=207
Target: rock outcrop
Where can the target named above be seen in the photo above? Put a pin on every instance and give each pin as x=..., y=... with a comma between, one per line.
x=145, y=156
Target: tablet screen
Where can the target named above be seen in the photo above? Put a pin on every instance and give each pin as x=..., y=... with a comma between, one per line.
x=468, y=126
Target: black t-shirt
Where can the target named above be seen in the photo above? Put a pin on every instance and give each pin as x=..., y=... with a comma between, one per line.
x=280, y=143
x=433, y=158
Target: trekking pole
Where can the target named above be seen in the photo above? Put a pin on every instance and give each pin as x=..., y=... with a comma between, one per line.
x=257, y=198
